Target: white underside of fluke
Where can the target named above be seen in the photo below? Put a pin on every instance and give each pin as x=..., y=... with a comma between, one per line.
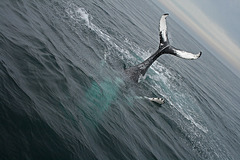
x=186, y=55
x=163, y=28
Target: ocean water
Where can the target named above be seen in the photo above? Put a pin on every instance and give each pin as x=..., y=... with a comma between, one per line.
x=63, y=94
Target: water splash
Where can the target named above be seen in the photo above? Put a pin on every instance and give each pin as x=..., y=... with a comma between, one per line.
x=83, y=15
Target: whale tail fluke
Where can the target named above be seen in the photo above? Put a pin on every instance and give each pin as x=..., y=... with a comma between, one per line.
x=139, y=70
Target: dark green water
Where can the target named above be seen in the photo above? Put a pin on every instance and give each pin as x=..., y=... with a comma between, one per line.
x=63, y=95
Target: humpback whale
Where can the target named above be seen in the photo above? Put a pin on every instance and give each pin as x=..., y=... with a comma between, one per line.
x=135, y=72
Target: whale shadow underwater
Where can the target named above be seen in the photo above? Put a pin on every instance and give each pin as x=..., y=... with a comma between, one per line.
x=134, y=73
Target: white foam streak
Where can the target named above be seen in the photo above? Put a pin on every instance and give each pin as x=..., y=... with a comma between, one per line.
x=190, y=118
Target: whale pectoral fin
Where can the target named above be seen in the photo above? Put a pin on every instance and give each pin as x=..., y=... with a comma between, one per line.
x=182, y=54
x=163, y=31
x=156, y=100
